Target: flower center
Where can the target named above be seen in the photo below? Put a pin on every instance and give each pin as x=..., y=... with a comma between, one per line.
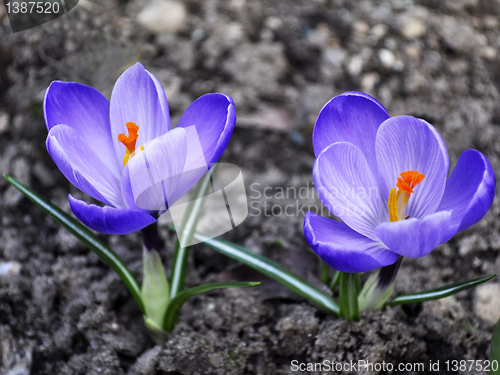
x=129, y=141
x=398, y=200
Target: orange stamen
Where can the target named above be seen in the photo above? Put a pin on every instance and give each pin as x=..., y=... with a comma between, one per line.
x=398, y=200
x=409, y=180
x=130, y=140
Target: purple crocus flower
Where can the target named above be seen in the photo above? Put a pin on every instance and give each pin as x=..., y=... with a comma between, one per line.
x=386, y=178
x=124, y=154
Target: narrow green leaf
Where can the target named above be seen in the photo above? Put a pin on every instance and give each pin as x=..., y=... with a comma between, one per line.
x=273, y=270
x=348, y=296
x=176, y=303
x=324, y=272
x=335, y=280
x=85, y=236
x=438, y=293
x=190, y=221
x=495, y=351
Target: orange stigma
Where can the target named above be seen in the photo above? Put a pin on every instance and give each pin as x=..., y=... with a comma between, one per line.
x=409, y=180
x=398, y=200
x=129, y=141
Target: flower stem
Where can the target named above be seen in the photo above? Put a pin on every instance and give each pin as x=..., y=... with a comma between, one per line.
x=190, y=221
x=348, y=296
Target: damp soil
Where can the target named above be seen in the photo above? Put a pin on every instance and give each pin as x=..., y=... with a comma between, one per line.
x=62, y=311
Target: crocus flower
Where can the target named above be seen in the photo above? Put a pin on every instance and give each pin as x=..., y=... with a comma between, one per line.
x=124, y=154
x=386, y=179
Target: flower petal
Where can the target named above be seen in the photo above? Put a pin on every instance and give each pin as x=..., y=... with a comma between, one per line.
x=82, y=167
x=352, y=117
x=85, y=110
x=414, y=238
x=348, y=189
x=150, y=177
x=194, y=168
x=110, y=220
x=469, y=191
x=343, y=248
x=214, y=116
x=406, y=143
x=138, y=98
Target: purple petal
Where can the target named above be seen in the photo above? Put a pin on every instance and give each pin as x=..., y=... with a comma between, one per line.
x=352, y=117
x=348, y=189
x=85, y=110
x=405, y=143
x=214, y=117
x=194, y=168
x=138, y=98
x=414, y=238
x=81, y=166
x=110, y=220
x=469, y=191
x=150, y=177
x=344, y=249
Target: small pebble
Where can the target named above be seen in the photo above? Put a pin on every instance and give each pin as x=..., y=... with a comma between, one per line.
x=487, y=302
x=10, y=268
x=369, y=80
x=386, y=57
x=162, y=15
x=415, y=28
x=379, y=30
x=489, y=53
x=355, y=66
x=4, y=121
x=361, y=27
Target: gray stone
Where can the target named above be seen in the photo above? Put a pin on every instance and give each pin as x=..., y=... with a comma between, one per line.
x=471, y=244
x=458, y=35
x=334, y=56
x=44, y=174
x=16, y=358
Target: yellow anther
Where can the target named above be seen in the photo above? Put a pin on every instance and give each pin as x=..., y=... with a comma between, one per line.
x=393, y=205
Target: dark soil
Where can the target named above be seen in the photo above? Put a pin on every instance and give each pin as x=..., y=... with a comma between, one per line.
x=62, y=311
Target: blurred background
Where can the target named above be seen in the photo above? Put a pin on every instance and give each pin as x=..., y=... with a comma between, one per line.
x=63, y=312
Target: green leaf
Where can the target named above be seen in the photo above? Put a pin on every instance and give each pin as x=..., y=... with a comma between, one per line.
x=155, y=289
x=85, y=236
x=324, y=272
x=495, y=351
x=273, y=270
x=189, y=223
x=176, y=303
x=348, y=295
x=335, y=280
x=438, y=293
